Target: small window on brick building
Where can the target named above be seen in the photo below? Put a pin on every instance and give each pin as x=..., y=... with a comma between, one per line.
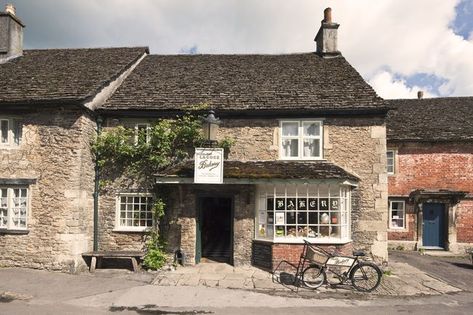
x=134, y=212
x=397, y=214
x=390, y=155
x=13, y=208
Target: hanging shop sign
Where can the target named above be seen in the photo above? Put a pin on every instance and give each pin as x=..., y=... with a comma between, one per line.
x=208, y=168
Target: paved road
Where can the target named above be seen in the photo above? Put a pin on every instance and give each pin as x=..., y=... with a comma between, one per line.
x=457, y=271
x=40, y=292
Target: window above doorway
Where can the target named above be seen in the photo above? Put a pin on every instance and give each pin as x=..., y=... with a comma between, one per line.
x=301, y=140
x=11, y=131
x=142, y=131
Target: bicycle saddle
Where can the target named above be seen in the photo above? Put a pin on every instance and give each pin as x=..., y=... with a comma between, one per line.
x=359, y=253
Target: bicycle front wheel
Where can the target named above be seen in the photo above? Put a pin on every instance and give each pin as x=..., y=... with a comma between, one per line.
x=313, y=277
x=365, y=277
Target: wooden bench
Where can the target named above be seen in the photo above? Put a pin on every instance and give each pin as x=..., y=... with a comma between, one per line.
x=98, y=256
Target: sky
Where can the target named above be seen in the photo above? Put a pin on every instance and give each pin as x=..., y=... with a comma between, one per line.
x=398, y=46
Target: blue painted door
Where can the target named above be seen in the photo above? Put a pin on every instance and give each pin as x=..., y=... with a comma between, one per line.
x=433, y=222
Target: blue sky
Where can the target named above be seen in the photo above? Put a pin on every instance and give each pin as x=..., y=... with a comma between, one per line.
x=398, y=46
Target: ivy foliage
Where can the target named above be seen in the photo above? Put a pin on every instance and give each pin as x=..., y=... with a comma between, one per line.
x=143, y=153
x=147, y=151
x=155, y=257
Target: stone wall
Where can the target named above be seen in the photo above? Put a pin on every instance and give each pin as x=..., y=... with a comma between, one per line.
x=55, y=150
x=356, y=144
x=180, y=223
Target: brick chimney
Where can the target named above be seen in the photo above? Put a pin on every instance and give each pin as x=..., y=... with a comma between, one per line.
x=11, y=34
x=326, y=37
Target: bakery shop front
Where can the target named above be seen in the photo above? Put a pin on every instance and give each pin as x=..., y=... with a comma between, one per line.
x=261, y=213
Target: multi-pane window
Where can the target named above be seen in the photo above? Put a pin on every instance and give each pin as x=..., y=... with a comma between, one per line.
x=10, y=132
x=13, y=208
x=301, y=140
x=141, y=133
x=134, y=211
x=390, y=161
x=397, y=214
x=318, y=212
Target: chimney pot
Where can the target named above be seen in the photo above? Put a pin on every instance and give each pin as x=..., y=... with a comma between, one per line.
x=420, y=94
x=326, y=37
x=10, y=8
x=328, y=15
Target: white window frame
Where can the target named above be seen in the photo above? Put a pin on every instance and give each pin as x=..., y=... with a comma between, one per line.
x=300, y=137
x=393, y=162
x=14, y=137
x=266, y=220
x=391, y=226
x=137, y=130
x=127, y=228
x=10, y=226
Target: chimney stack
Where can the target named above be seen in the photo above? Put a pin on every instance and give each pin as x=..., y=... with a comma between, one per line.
x=326, y=37
x=420, y=95
x=11, y=34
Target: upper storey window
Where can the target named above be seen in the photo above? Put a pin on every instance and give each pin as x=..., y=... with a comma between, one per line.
x=10, y=132
x=301, y=139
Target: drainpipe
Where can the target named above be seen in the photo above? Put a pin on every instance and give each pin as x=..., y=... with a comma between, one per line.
x=99, y=121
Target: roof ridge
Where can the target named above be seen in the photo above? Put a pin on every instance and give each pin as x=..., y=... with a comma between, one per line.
x=87, y=48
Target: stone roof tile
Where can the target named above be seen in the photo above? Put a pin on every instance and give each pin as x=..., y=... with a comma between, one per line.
x=54, y=75
x=244, y=82
x=268, y=170
x=431, y=119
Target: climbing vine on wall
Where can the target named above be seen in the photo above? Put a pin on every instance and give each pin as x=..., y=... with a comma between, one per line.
x=141, y=154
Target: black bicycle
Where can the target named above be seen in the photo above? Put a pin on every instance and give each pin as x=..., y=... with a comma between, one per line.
x=315, y=262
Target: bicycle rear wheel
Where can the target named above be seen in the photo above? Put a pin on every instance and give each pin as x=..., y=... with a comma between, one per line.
x=366, y=277
x=313, y=277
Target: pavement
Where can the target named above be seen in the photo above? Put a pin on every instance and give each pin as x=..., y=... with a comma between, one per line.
x=399, y=279
x=220, y=289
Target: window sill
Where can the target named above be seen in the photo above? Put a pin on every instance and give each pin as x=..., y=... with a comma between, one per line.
x=130, y=230
x=301, y=241
x=393, y=229
x=15, y=232
x=301, y=159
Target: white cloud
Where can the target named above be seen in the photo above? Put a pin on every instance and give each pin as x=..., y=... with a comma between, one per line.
x=405, y=36
x=388, y=87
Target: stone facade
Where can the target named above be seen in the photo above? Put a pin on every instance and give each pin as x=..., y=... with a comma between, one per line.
x=428, y=166
x=55, y=152
x=356, y=144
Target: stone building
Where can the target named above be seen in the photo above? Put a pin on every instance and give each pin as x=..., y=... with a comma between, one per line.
x=309, y=159
x=46, y=168
x=430, y=167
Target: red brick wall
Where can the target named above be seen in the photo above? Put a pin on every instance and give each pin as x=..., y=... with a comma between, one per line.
x=292, y=252
x=434, y=166
x=465, y=222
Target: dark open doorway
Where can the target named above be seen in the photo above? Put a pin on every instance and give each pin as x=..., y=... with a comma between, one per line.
x=215, y=230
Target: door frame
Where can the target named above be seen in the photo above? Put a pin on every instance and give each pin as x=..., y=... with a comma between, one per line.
x=198, y=223
x=443, y=225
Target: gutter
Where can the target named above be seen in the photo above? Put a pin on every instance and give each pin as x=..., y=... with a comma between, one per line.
x=99, y=121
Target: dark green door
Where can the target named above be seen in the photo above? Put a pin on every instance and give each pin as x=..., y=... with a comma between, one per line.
x=214, y=239
x=433, y=225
